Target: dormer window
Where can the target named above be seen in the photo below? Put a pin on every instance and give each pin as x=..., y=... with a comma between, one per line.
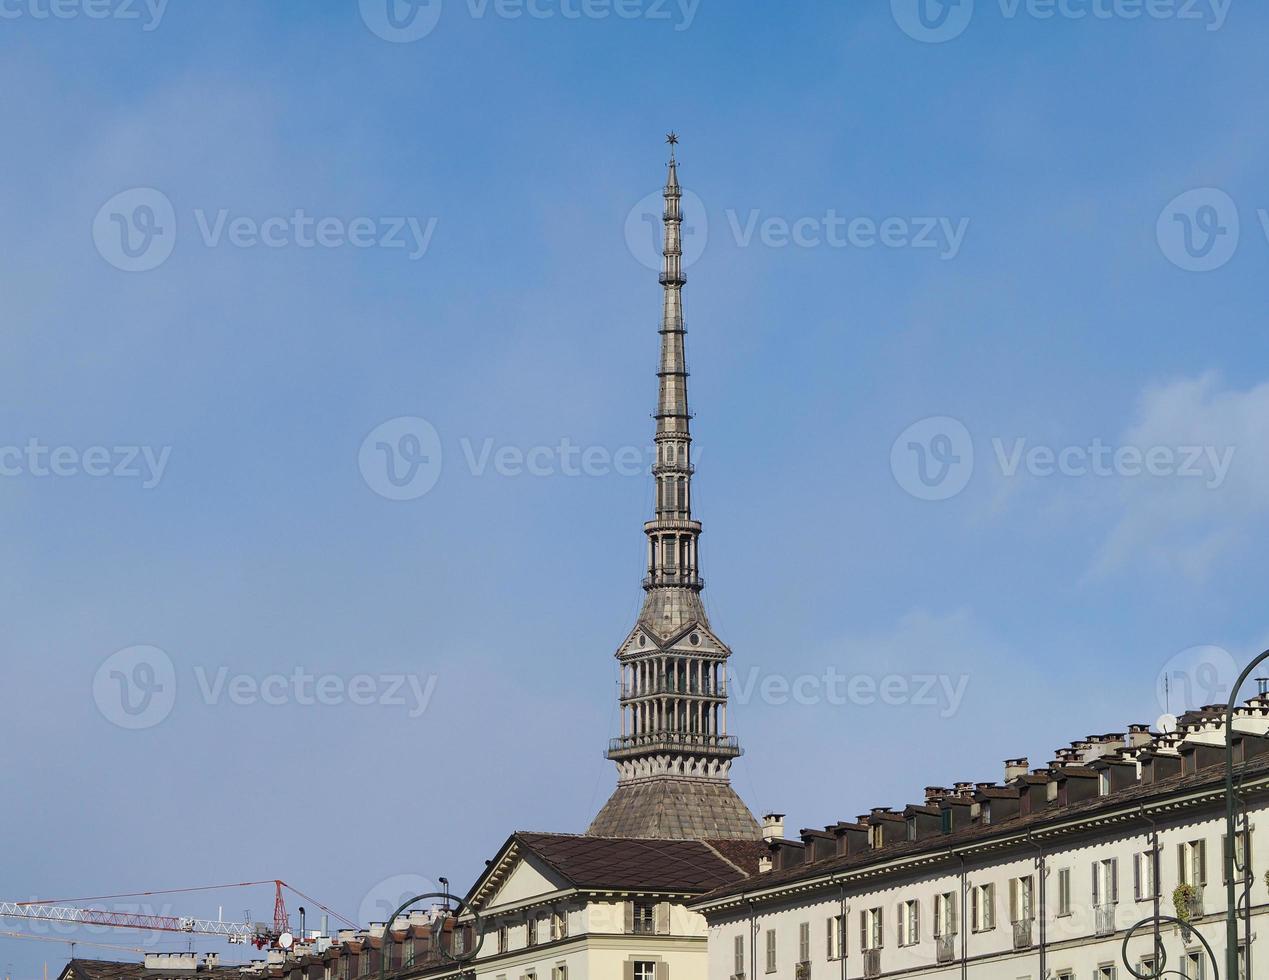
x=985, y=812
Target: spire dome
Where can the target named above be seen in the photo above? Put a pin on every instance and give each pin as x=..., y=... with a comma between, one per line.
x=674, y=753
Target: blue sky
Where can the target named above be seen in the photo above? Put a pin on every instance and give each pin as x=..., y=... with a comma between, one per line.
x=1055, y=164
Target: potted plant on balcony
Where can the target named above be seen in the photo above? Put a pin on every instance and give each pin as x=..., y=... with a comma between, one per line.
x=1185, y=901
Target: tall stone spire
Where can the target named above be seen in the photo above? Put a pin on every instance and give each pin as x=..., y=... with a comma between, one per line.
x=674, y=754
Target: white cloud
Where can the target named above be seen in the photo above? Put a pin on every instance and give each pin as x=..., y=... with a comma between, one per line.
x=1187, y=524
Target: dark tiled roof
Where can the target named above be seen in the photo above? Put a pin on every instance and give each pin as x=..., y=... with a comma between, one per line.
x=644, y=865
x=1210, y=777
x=79, y=969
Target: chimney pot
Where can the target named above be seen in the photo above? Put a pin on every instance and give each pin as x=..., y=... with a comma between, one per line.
x=1016, y=767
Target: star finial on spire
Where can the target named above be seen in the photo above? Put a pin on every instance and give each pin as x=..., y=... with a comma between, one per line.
x=673, y=139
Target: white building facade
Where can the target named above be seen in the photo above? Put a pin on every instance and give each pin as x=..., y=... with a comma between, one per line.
x=574, y=907
x=1040, y=878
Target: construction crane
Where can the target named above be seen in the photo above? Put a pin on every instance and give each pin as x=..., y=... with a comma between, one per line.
x=235, y=932
x=259, y=934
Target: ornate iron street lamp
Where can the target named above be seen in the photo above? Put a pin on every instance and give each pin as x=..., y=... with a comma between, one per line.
x=1231, y=863
x=464, y=957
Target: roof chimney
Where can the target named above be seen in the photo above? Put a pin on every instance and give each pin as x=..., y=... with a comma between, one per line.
x=1015, y=768
x=772, y=826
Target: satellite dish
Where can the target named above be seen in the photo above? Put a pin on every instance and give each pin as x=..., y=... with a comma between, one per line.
x=1166, y=724
x=286, y=941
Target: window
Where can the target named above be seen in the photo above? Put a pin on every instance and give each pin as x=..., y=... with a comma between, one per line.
x=1105, y=972
x=530, y=931
x=739, y=968
x=1103, y=782
x=804, y=942
x=559, y=926
x=1064, y=891
x=909, y=923
x=912, y=828
x=344, y=962
x=1106, y=882
x=503, y=938
x=1064, y=975
x=1240, y=857
x=1144, y=885
x=771, y=951
x=645, y=970
x=982, y=911
x=1147, y=965
x=363, y=964
x=945, y=914
x=945, y=821
x=1022, y=899
x=1192, y=863
x=836, y=937
x=876, y=836
x=870, y=925
x=645, y=918
x=559, y=971
x=985, y=812
x=458, y=942
x=1192, y=965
